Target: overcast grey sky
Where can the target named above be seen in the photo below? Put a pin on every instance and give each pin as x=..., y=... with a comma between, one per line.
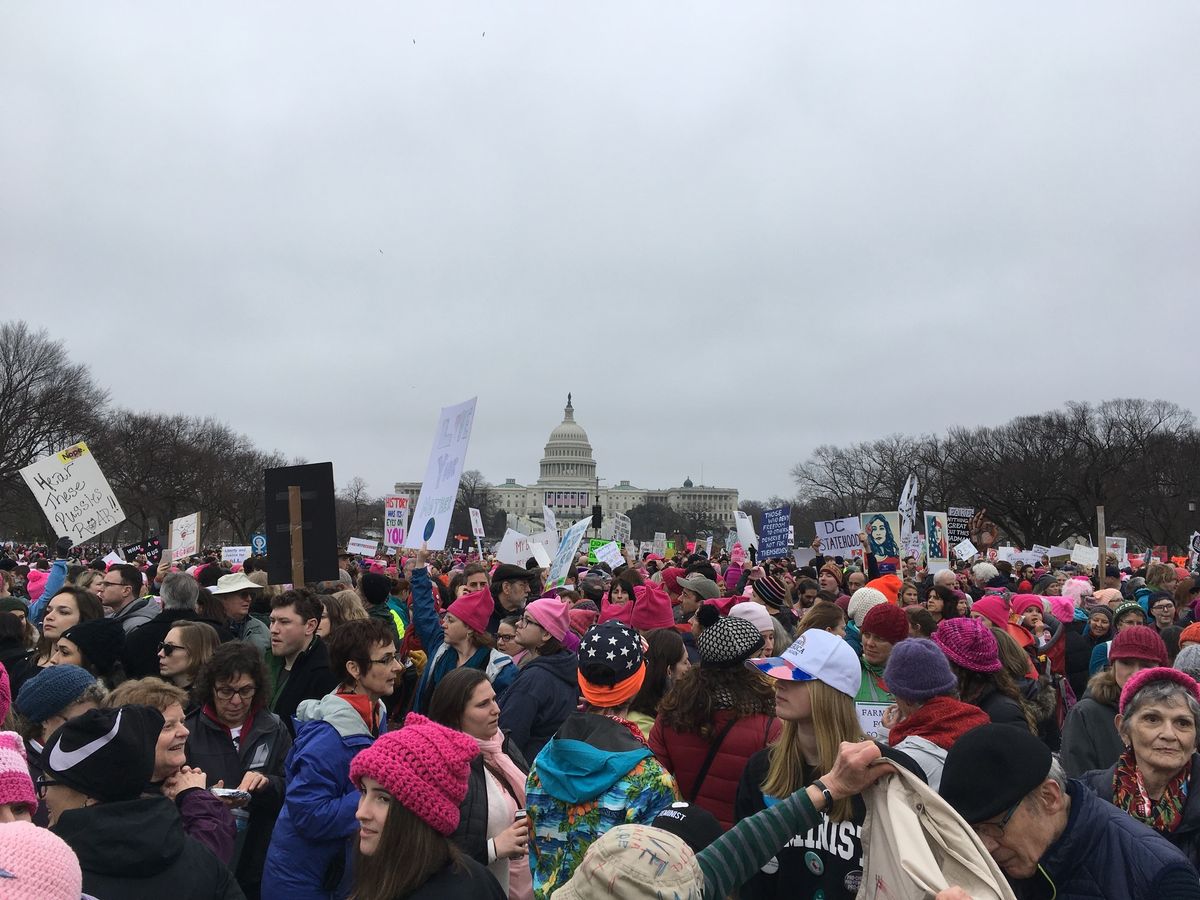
x=733, y=231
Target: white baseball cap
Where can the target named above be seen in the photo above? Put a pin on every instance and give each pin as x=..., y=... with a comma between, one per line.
x=816, y=655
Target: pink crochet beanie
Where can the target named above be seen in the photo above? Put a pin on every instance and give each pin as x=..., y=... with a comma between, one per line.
x=37, y=864
x=968, y=643
x=5, y=693
x=424, y=766
x=15, y=783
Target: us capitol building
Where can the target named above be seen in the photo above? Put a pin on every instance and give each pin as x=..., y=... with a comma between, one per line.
x=569, y=486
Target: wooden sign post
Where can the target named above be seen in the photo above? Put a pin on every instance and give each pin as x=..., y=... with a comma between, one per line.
x=1103, y=545
x=296, y=532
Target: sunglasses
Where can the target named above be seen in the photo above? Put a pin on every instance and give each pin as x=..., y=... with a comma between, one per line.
x=167, y=649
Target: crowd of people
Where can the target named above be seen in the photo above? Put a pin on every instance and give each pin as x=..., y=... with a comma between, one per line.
x=440, y=725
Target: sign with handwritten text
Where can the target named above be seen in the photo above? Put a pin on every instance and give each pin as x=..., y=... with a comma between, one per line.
x=73, y=493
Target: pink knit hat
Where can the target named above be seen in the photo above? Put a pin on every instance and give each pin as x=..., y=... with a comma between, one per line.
x=582, y=619
x=651, y=608
x=1022, y=603
x=474, y=610
x=968, y=643
x=15, y=783
x=424, y=766
x=1062, y=609
x=993, y=608
x=35, y=583
x=1139, y=680
x=38, y=864
x=551, y=615
x=5, y=693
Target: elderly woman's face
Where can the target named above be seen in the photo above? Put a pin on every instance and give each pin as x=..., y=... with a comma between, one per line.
x=1099, y=625
x=1162, y=733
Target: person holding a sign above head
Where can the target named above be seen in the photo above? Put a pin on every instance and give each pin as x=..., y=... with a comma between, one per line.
x=461, y=638
x=816, y=680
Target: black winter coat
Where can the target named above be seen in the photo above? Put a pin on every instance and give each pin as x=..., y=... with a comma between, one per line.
x=310, y=679
x=470, y=882
x=471, y=834
x=136, y=849
x=140, y=656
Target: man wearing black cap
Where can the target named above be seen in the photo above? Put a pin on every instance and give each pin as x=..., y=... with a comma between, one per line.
x=96, y=767
x=1052, y=836
x=510, y=588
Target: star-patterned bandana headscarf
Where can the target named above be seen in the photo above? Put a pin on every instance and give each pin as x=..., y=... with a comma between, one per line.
x=611, y=668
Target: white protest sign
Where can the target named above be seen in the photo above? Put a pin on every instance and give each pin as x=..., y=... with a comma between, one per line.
x=1059, y=551
x=1005, y=554
x=804, y=555
x=362, y=547
x=965, y=549
x=610, y=553
x=870, y=717
x=745, y=530
x=914, y=546
x=395, y=520
x=73, y=493
x=112, y=559
x=622, y=527
x=476, y=522
x=708, y=546
x=547, y=540
x=907, y=506
x=1040, y=550
x=1118, y=547
x=540, y=554
x=839, y=537
x=1193, y=550
x=660, y=542
x=439, y=490
x=550, y=523
x=184, y=536
x=514, y=548
x=566, y=552
x=1085, y=556
x=236, y=555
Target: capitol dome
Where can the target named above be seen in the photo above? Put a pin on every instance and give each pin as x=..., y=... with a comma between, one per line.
x=568, y=455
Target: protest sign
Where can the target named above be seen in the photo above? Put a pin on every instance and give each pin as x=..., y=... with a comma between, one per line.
x=870, y=717
x=439, y=490
x=958, y=524
x=112, y=559
x=914, y=546
x=621, y=526
x=737, y=555
x=183, y=536
x=965, y=549
x=1027, y=557
x=937, y=537
x=1085, y=556
x=1041, y=549
x=1118, y=547
x=395, y=520
x=1005, y=554
x=609, y=552
x=839, y=537
x=708, y=546
x=803, y=555
x=907, y=506
x=593, y=543
x=540, y=554
x=775, y=524
x=151, y=548
x=258, y=544
x=660, y=542
x=73, y=493
x=550, y=522
x=883, y=535
x=476, y=522
x=1059, y=551
x=514, y=548
x=669, y=550
x=357, y=546
x=1193, y=550
x=236, y=555
x=745, y=531
x=314, y=537
x=566, y=552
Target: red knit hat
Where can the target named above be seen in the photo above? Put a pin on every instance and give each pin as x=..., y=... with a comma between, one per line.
x=1138, y=642
x=993, y=608
x=473, y=610
x=424, y=766
x=887, y=622
x=1190, y=635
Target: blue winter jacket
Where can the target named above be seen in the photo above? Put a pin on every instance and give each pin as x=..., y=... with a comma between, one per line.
x=442, y=660
x=309, y=856
x=58, y=577
x=545, y=693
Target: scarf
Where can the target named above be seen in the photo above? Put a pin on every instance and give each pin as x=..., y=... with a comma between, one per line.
x=1129, y=793
x=368, y=710
x=941, y=721
x=498, y=763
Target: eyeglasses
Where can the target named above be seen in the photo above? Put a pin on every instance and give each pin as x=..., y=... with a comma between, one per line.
x=167, y=649
x=506, y=637
x=386, y=660
x=1163, y=607
x=41, y=784
x=994, y=831
x=245, y=693
x=111, y=583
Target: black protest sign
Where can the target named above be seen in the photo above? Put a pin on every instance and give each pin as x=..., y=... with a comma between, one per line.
x=318, y=522
x=151, y=548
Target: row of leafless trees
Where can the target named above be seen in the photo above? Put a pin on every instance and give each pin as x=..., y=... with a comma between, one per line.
x=1040, y=477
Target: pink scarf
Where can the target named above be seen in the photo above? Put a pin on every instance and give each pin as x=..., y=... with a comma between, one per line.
x=520, y=877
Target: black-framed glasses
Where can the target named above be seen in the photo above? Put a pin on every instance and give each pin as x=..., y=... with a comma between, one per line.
x=167, y=649
x=226, y=693
x=386, y=660
x=506, y=637
x=994, y=831
x=41, y=784
x=1163, y=607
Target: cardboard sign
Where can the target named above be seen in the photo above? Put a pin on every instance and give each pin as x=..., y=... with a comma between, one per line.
x=964, y=550
x=184, y=536
x=362, y=547
x=439, y=490
x=775, y=525
x=73, y=493
x=609, y=552
x=318, y=522
x=622, y=527
x=745, y=531
x=235, y=555
x=566, y=552
x=395, y=520
x=514, y=548
x=1085, y=556
x=151, y=548
x=839, y=537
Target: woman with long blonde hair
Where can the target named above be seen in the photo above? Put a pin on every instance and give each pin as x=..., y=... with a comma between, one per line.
x=816, y=680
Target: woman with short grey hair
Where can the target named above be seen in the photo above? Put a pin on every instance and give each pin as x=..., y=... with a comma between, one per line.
x=1157, y=778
